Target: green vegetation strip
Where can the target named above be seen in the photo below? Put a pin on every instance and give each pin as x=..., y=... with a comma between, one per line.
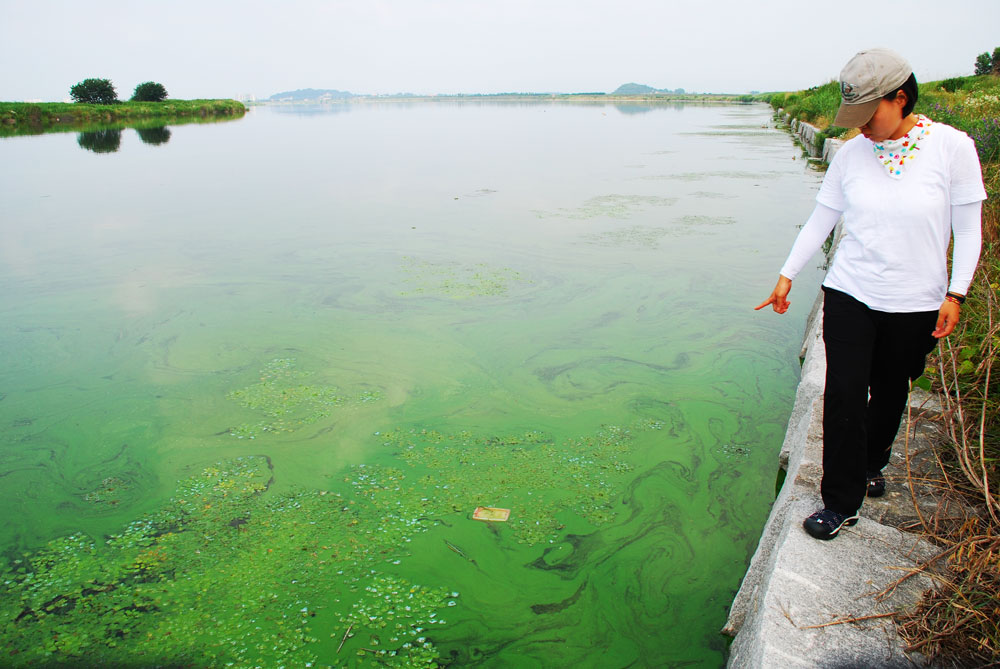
x=21, y=118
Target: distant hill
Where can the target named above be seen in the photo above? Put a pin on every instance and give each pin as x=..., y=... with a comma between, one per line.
x=310, y=94
x=642, y=89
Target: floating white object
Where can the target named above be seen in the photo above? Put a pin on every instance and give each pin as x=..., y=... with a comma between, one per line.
x=491, y=514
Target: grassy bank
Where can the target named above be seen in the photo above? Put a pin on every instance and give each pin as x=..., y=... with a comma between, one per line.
x=17, y=118
x=957, y=624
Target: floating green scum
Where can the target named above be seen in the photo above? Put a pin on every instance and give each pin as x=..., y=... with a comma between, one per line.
x=287, y=403
x=223, y=575
x=229, y=573
x=611, y=206
x=458, y=280
x=527, y=473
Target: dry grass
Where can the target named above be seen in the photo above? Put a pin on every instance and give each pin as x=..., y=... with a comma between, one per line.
x=958, y=623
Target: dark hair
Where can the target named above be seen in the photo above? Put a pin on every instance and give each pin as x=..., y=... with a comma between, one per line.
x=910, y=88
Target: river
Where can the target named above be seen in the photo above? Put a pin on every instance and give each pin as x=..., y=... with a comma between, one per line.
x=257, y=376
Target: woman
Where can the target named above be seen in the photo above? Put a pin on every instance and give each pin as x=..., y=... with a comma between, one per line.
x=905, y=186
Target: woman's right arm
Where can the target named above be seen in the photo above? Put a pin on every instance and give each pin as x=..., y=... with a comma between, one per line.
x=817, y=228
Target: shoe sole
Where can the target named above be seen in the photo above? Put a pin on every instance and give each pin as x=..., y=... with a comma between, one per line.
x=820, y=533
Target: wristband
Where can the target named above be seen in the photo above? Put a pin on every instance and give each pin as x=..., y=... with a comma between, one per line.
x=955, y=297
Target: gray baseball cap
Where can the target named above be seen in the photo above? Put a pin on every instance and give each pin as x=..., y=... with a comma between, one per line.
x=865, y=80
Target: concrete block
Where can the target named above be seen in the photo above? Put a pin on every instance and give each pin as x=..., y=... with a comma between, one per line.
x=830, y=148
x=812, y=583
x=807, y=133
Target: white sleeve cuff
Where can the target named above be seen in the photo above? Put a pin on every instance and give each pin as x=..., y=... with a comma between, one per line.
x=817, y=228
x=967, y=230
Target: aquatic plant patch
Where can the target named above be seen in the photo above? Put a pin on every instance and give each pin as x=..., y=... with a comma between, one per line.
x=109, y=492
x=649, y=237
x=287, y=403
x=228, y=574
x=222, y=575
x=457, y=280
x=610, y=206
x=396, y=619
x=710, y=195
x=635, y=236
x=719, y=174
x=529, y=474
x=697, y=219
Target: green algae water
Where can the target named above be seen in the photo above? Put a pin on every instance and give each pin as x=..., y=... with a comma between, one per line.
x=256, y=377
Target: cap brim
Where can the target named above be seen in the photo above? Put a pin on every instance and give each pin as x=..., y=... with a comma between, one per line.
x=855, y=116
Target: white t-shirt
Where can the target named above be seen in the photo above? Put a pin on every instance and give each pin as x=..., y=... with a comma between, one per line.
x=892, y=256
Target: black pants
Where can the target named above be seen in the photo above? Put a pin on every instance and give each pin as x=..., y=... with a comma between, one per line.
x=871, y=357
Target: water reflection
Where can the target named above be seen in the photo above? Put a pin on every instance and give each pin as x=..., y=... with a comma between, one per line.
x=107, y=140
x=154, y=136
x=310, y=110
x=634, y=108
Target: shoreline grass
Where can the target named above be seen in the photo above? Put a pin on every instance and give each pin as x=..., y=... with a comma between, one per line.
x=957, y=624
x=28, y=118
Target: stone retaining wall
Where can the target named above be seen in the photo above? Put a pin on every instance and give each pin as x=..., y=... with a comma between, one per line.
x=808, y=134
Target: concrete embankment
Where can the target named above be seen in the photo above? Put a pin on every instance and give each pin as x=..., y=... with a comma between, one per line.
x=811, y=603
x=810, y=135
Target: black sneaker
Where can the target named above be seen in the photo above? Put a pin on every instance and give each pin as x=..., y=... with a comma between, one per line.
x=826, y=523
x=876, y=484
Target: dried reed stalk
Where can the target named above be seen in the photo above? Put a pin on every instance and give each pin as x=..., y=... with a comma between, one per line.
x=958, y=623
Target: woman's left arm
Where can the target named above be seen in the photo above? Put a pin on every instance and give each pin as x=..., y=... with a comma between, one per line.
x=966, y=225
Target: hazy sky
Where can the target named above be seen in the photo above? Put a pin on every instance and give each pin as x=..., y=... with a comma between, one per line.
x=222, y=48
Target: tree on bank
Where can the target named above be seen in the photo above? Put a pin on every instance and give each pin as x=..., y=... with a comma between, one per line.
x=149, y=91
x=987, y=64
x=94, y=91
